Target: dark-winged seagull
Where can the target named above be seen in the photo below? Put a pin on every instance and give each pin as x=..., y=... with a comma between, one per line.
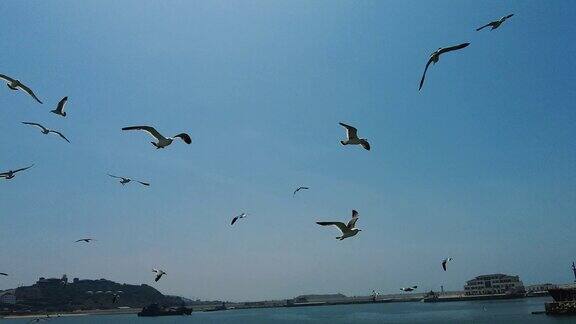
x=12, y=173
x=237, y=218
x=495, y=24
x=352, y=137
x=159, y=274
x=348, y=230
x=299, y=188
x=434, y=57
x=445, y=263
x=162, y=141
x=87, y=240
x=115, y=298
x=3, y=274
x=60, y=108
x=408, y=289
x=124, y=180
x=46, y=131
x=17, y=85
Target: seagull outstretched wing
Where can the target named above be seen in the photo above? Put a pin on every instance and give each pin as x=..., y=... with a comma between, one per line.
x=44, y=129
x=6, y=78
x=185, y=137
x=150, y=130
x=341, y=226
x=351, y=132
x=22, y=169
x=60, y=134
x=29, y=91
x=453, y=48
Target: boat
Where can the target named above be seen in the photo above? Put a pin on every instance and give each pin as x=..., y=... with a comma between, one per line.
x=430, y=297
x=157, y=310
x=563, y=294
x=564, y=301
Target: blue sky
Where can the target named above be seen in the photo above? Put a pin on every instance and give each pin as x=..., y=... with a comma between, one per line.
x=478, y=166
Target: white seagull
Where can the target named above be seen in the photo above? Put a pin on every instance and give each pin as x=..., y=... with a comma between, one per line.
x=299, y=188
x=348, y=230
x=162, y=141
x=60, y=108
x=124, y=180
x=408, y=289
x=495, y=24
x=434, y=57
x=352, y=134
x=159, y=274
x=12, y=173
x=45, y=130
x=445, y=263
x=17, y=85
x=237, y=218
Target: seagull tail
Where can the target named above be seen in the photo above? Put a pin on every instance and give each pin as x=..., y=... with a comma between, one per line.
x=342, y=142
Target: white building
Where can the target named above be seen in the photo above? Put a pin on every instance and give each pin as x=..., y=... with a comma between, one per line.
x=493, y=284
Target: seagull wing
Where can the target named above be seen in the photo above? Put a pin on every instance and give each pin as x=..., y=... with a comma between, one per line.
x=341, y=226
x=37, y=125
x=351, y=132
x=113, y=176
x=143, y=183
x=3, y=274
x=22, y=169
x=510, y=15
x=185, y=137
x=365, y=144
x=453, y=48
x=29, y=91
x=151, y=130
x=61, y=104
x=444, y=264
x=424, y=74
x=352, y=222
x=234, y=220
x=6, y=78
x=60, y=134
x=488, y=24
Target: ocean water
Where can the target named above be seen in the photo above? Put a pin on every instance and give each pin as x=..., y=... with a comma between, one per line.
x=503, y=311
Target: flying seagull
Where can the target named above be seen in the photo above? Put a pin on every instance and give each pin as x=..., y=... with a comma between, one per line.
x=12, y=173
x=434, y=57
x=299, y=188
x=17, y=85
x=60, y=108
x=445, y=263
x=87, y=240
x=352, y=134
x=408, y=289
x=237, y=218
x=348, y=230
x=45, y=130
x=162, y=141
x=3, y=274
x=495, y=24
x=159, y=274
x=124, y=180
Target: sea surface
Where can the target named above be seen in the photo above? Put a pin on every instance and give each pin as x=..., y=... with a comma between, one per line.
x=497, y=311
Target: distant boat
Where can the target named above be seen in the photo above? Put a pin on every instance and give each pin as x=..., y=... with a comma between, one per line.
x=157, y=310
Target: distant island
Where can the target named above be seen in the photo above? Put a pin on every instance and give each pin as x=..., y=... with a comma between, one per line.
x=50, y=295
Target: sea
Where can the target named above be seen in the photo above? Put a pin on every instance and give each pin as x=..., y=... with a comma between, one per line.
x=495, y=311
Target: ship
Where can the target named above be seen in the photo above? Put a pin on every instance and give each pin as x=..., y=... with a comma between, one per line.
x=563, y=294
x=157, y=310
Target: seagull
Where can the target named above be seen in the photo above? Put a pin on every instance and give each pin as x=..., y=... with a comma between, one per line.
x=115, y=298
x=46, y=130
x=87, y=240
x=17, y=85
x=445, y=262
x=12, y=173
x=495, y=24
x=299, y=188
x=237, y=218
x=162, y=141
x=408, y=289
x=352, y=134
x=348, y=230
x=124, y=180
x=434, y=57
x=60, y=108
x=159, y=274
x=3, y=274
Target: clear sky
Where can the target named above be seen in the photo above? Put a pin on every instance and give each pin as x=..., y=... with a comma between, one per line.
x=479, y=165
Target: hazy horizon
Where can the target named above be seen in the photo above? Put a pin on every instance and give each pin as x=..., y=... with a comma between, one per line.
x=478, y=165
